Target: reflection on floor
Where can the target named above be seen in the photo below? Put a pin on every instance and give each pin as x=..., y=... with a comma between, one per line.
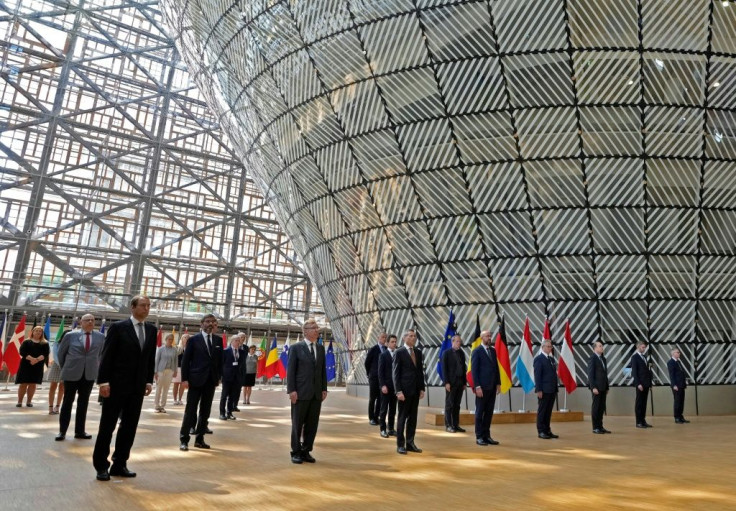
x=667, y=467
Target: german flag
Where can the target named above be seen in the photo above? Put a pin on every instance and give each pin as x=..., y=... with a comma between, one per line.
x=502, y=355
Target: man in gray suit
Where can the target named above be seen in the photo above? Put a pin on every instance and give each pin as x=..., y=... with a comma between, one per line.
x=79, y=354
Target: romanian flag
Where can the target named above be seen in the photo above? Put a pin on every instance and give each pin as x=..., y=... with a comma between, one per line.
x=274, y=366
x=502, y=355
x=261, y=369
x=12, y=352
x=476, y=342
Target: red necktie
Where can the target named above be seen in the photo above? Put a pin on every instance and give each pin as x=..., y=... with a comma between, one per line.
x=86, y=343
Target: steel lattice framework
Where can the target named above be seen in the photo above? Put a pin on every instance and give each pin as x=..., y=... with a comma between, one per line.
x=116, y=178
x=560, y=158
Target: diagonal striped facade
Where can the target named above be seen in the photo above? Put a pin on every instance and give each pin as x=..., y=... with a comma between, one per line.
x=569, y=159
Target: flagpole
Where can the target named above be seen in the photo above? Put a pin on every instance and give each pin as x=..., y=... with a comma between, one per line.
x=564, y=408
x=523, y=404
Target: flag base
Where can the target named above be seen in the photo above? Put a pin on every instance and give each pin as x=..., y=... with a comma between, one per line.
x=563, y=410
x=528, y=417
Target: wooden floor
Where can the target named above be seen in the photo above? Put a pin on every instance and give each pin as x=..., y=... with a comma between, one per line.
x=668, y=467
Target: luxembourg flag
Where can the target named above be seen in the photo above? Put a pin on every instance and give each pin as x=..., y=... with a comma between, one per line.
x=566, y=367
x=525, y=363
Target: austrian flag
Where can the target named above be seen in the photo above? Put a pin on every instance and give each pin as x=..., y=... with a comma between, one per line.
x=566, y=366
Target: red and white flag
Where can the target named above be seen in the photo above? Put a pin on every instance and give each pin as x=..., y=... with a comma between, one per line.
x=566, y=366
x=12, y=352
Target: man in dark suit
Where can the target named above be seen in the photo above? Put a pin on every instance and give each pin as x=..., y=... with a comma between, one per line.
x=125, y=377
x=599, y=385
x=408, y=375
x=545, y=382
x=200, y=373
x=79, y=358
x=454, y=378
x=233, y=359
x=374, y=387
x=386, y=383
x=678, y=382
x=642, y=375
x=306, y=384
x=487, y=381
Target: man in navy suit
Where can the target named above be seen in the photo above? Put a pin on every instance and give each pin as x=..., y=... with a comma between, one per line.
x=487, y=381
x=408, y=375
x=200, y=373
x=642, y=382
x=599, y=385
x=545, y=382
x=678, y=382
x=125, y=377
x=454, y=377
x=233, y=359
x=374, y=387
x=386, y=384
x=306, y=385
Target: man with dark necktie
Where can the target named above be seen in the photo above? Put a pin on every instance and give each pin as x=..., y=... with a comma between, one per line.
x=455, y=379
x=545, y=381
x=388, y=393
x=374, y=387
x=200, y=373
x=487, y=381
x=678, y=382
x=408, y=376
x=599, y=385
x=642, y=375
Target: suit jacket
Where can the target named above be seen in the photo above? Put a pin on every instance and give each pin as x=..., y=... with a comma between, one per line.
x=640, y=371
x=371, y=361
x=306, y=376
x=545, y=375
x=123, y=364
x=484, y=369
x=385, y=371
x=678, y=378
x=597, y=374
x=231, y=369
x=454, y=368
x=75, y=362
x=198, y=366
x=408, y=378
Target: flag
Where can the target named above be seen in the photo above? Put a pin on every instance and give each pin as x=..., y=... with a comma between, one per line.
x=502, y=356
x=159, y=337
x=330, y=363
x=12, y=352
x=476, y=342
x=566, y=365
x=102, y=326
x=525, y=362
x=261, y=358
x=3, y=333
x=274, y=366
x=59, y=332
x=35, y=321
x=447, y=340
x=284, y=357
x=224, y=339
x=47, y=328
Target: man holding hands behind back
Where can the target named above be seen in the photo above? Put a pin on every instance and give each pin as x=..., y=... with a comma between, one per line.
x=598, y=383
x=545, y=379
x=678, y=382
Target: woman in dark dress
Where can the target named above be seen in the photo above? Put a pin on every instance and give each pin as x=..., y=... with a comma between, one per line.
x=34, y=355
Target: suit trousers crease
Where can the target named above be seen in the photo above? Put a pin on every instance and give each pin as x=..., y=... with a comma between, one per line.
x=304, y=423
x=407, y=425
x=128, y=408
x=388, y=408
x=453, y=400
x=545, y=406
x=597, y=408
x=679, y=403
x=199, y=397
x=72, y=388
x=374, y=396
x=229, y=397
x=640, y=405
x=484, y=413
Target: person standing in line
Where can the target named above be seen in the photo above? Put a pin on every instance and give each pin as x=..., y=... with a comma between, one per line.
x=388, y=393
x=678, y=382
x=200, y=374
x=599, y=385
x=166, y=370
x=125, y=377
x=408, y=376
x=455, y=380
x=306, y=385
x=487, y=381
x=371, y=369
x=545, y=380
x=176, y=380
x=79, y=359
x=56, y=384
x=231, y=364
x=34, y=355
x=249, y=376
x=642, y=375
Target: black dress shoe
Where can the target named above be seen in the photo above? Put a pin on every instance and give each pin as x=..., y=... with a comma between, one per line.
x=459, y=429
x=191, y=431
x=82, y=436
x=545, y=436
x=183, y=446
x=207, y=431
x=605, y=430
x=121, y=472
x=646, y=424
x=236, y=409
x=401, y=450
x=201, y=445
x=223, y=417
x=413, y=448
x=480, y=441
x=598, y=431
x=384, y=433
x=682, y=421
x=103, y=475
x=308, y=457
x=373, y=422
x=450, y=429
x=552, y=435
x=295, y=458
x=231, y=417
x=642, y=426
x=491, y=441
x=391, y=432
x=60, y=437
